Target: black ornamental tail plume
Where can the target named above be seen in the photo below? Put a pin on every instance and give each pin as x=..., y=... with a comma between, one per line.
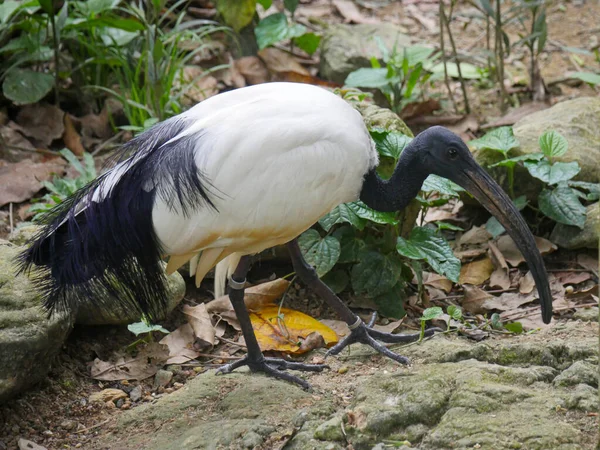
x=99, y=245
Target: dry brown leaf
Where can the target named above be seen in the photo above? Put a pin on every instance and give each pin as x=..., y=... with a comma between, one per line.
x=252, y=69
x=512, y=254
x=199, y=319
x=415, y=13
x=418, y=109
x=466, y=127
x=107, y=395
x=572, y=277
x=433, y=294
x=350, y=12
x=180, y=343
x=283, y=329
x=230, y=318
x=475, y=334
x=339, y=326
x=21, y=181
x=500, y=279
x=514, y=115
x=254, y=297
x=476, y=272
x=473, y=299
x=40, y=121
x=278, y=61
x=508, y=301
x=313, y=340
x=147, y=362
x=71, y=137
x=230, y=75
x=526, y=284
x=203, y=85
x=437, y=281
x=12, y=138
x=389, y=328
x=295, y=77
x=475, y=236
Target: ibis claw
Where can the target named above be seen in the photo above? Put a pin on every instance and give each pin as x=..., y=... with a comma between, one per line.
x=365, y=334
x=274, y=367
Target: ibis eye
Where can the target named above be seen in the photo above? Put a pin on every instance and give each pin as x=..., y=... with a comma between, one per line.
x=452, y=153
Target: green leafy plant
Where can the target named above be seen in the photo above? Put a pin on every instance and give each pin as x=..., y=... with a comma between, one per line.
x=145, y=328
x=429, y=314
x=61, y=188
x=363, y=249
x=560, y=200
x=402, y=79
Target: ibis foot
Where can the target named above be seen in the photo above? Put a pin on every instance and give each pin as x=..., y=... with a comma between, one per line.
x=274, y=367
x=365, y=334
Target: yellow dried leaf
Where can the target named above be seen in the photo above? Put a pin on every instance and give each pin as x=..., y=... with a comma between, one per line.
x=255, y=297
x=287, y=334
x=476, y=272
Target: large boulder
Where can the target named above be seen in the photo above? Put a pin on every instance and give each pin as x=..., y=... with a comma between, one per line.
x=578, y=121
x=571, y=237
x=346, y=48
x=29, y=339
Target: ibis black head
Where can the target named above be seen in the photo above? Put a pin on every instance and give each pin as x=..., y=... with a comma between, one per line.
x=441, y=152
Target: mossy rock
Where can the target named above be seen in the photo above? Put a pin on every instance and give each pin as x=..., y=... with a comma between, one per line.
x=29, y=339
x=571, y=237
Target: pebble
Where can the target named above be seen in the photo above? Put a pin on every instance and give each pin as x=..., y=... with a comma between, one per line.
x=177, y=385
x=78, y=445
x=68, y=425
x=120, y=403
x=169, y=390
x=162, y=379
x=342, y=370
x=110, y=404
x=47, y=433
x=199, y=369
x=148, y=398
x=126, y=406
x=107, y=395
x=136, y=393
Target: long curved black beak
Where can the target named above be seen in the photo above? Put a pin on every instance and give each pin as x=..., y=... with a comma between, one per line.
x=476, y=181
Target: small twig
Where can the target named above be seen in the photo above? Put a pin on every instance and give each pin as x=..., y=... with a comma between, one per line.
x=227, y=341
x=93, y=426
x=444, y=60
x=10, y=214
x=25, y=149
x=570, y=270
x=210, y=355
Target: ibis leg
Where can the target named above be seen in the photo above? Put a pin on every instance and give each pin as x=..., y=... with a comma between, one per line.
x=254, y=359
x=359, y=331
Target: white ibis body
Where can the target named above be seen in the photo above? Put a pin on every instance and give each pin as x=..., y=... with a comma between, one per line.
x=240, y=172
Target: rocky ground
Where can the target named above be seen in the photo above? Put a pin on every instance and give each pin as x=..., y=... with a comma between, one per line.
x=533, y=392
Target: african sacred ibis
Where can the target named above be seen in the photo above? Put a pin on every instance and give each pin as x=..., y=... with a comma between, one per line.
x=236, y=174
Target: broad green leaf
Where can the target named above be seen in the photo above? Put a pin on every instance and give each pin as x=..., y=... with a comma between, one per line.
x=290, y=5
x=494, y=227
x=455, y=312
x=389, y=143
x=431, y=313
x=96, y=6
x=321, y=253
x=593, y=188
x=72, y=159
x=391, y=303
x=416, y=54
x=265, y=3
x=47, y=6
x=587, y=77
x=368, y=78
x=275, y=28
x=143, y=327
x=350, y=245
x=343, y=213
x=511, y=162
x=468, y=71
x=487, y=7
x=425, y=243
x=7, y=9
x=447, y=226
x=514, y=327
x=553, y=144
x=337, y=280
x=375, y=274
x=25, y=86
x=116, y=36
x=435, y=183
x=237, y=13
x=501, y=139
x=309, y=42
x=362, y=210
x=562, y=205
x=552, y=174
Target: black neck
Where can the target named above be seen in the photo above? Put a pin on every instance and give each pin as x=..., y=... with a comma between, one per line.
x=394, y=194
